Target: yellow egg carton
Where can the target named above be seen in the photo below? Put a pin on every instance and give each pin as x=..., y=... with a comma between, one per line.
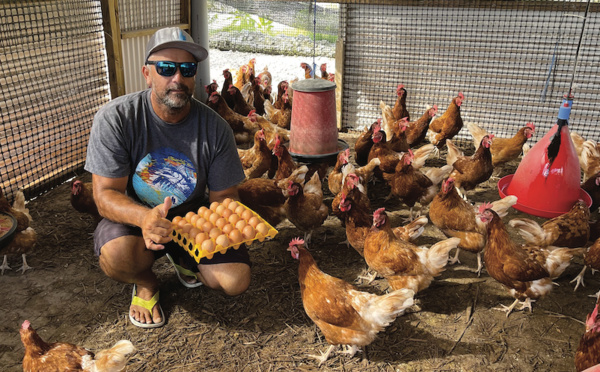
x=193, y=249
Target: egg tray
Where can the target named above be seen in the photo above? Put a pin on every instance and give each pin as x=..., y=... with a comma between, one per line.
x=197, y=253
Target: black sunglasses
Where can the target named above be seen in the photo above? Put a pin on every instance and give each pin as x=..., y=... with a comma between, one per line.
x=168, y=68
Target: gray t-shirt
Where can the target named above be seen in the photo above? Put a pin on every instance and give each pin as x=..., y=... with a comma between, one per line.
x=179, y=160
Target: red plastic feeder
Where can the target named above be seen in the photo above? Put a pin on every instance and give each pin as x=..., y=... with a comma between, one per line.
x=313, y=130
x=542, y=189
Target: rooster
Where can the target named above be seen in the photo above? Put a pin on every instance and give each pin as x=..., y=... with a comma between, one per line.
x=455, y=217
x=503, y=150
x=82, y=199
x=470, y=171
x=448, y=125
x=401, y=263
x=345, y=315
x=571, y=229
x=304, y=207
x=525, y=270
x=61, y=356
x=25, y=237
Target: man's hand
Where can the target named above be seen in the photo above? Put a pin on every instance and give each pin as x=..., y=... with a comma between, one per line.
x=156, y=228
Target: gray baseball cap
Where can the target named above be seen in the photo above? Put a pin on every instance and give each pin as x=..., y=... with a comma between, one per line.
x=174, y=37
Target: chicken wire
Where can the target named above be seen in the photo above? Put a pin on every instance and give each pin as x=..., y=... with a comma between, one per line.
x=52, y=82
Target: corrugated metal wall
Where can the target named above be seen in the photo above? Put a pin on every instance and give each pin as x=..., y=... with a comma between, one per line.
x=503, y=55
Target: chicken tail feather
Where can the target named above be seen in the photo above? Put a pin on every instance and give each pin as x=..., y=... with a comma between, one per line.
x=560, y=258
x=502, y=206
x=380, y=311
x=109, y=360
x=530, y=230
x=453, y=152
x=437, y=255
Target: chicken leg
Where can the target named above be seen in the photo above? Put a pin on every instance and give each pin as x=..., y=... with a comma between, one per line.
x=5, y=265
x=24, y=267
x=324, y=355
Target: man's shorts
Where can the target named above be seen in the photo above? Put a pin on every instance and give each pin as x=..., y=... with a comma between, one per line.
x=108, y=230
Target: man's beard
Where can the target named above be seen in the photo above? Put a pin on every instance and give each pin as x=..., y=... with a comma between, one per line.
x=176, y=101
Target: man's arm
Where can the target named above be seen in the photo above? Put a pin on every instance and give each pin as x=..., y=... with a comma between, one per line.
x=115, y=205
x=218, y=196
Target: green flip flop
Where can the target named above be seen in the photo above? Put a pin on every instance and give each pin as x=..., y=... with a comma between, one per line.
x=182, y=271
x=148, y=305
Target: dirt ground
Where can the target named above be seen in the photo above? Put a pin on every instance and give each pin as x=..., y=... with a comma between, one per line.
x=67, y=298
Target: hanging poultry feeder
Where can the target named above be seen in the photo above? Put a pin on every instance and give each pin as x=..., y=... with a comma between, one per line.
x=543, y=187
x=313, y=129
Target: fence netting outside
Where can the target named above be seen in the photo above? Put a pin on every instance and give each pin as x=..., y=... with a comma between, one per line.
x=52, y=81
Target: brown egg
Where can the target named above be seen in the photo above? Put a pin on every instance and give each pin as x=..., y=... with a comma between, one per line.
x=189, y=215
x=222, y=240
x=239, y=210
x=262, y=228
x=248, y=232
x=226, y=202
x=194, y=219
x=208, y=245
x=240, y=225
x=227, y=228
x=220, y=223
x=233, y=219
x=202, y=210
x=176, y=220
x=235, y=236
x=253, y=221
x=233, y=205
x=214, y=232
x=213, y=218
x=214, y=205
x=185, y=229
x=199, y=222
x=194, y=231
x=220, y=208
x=200, y=238
x=247, y=214
x=207, y=214
x=207, y=226
x=226, y=213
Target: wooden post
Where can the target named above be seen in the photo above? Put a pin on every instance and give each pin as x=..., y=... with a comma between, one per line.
x=114, y=52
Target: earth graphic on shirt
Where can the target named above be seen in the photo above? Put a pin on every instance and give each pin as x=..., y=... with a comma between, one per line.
x=164, y=172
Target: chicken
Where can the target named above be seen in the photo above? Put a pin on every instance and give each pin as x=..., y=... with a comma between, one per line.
x=308, y=71
x=411, y=185
x=470, y=171
x=503, y=150
x=271, y=130
x=352, y=188
x=326, y=75
x=281, y=117
x=82, y=199
x=259, y=98
x=257, y=159
x=364, y=143
x=345, y=315
x=401, y=263
x=388, y=158
x=285, y=163
x=267, y=197
x=61, y=356
x=417, y=130
x=571, y=229
x=25, y=237
x=448, y=125
x=266, y=80
x=455, y=217
x=225, y=90
x=335, y=177
x=239, y=103
x=212, y=87
x=244, y=74
x=398, y=142
x=525, y=270
x=243, y=128
x=304, y=207
x=358, y=221
x=588, y=351
x=590, y=159
x=592, y=187
x=399, y=111
x=578, y=141
x=365, y=173
x=282, y=88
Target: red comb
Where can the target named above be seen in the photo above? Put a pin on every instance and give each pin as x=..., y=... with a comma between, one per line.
x=530, y=125
x=460, y=95
x=251, y=113
x=296, y=241
x=485, y=206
